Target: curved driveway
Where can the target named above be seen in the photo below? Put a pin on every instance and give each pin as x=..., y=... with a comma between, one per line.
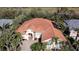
x=26, y=45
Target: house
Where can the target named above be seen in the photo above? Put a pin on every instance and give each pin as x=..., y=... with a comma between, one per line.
x=73, y=34
x=4, y=22
x=73, y=24
x=39, y=27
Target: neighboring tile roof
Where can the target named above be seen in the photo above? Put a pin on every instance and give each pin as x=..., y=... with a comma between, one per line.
x=5, y=21
x=42, y=25
x=73, y=23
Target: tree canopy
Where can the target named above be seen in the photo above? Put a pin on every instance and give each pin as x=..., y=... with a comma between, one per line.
x=9, y=39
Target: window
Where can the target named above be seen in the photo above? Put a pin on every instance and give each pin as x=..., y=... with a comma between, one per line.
x=30, y=34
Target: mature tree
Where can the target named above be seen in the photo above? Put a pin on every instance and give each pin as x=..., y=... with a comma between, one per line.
x=9, y=39
x=66, y=31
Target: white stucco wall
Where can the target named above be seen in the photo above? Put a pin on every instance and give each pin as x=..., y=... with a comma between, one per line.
x=73, y=34
x=34, y=34
x=26, y=36
x=37, y=34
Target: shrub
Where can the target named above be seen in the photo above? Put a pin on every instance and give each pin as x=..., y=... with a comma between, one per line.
x=38, y=46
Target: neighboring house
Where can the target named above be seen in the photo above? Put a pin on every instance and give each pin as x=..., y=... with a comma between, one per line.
x=73, y=34
x=73, y=24
x=4, y=22
x=38, y=27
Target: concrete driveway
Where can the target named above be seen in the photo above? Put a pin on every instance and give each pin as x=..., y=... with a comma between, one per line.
x=26, y=45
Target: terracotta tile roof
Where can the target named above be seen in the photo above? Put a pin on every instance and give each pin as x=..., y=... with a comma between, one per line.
x=42, y=25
